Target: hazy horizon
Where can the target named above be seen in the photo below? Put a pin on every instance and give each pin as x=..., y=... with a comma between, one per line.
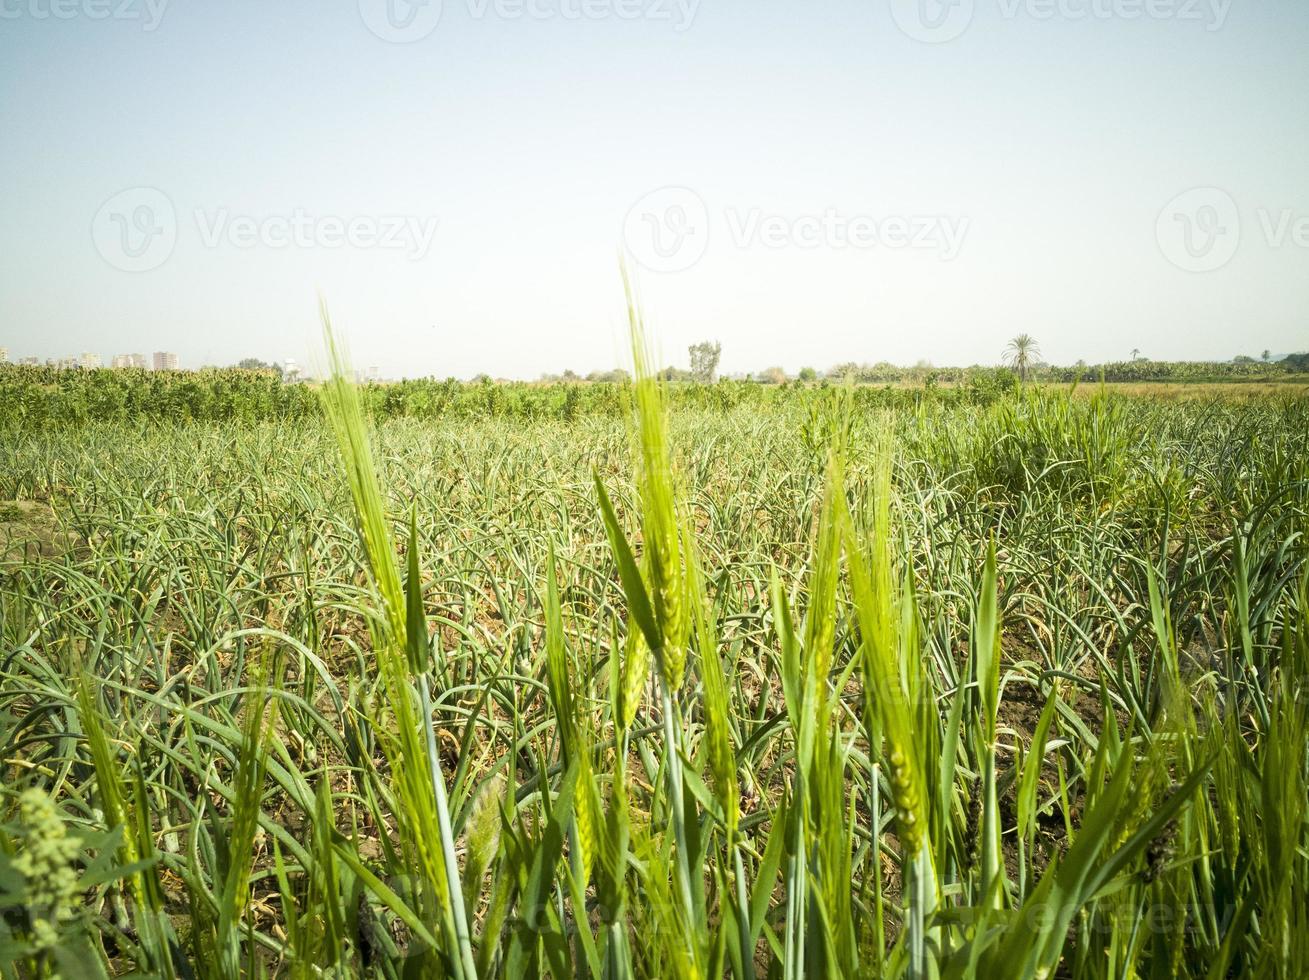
x=902, y=181
x=314, y=368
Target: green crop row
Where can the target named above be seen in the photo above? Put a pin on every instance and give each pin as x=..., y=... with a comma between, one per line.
x=821, y=682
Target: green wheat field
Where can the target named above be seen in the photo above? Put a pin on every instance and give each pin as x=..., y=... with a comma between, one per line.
x=827, y=681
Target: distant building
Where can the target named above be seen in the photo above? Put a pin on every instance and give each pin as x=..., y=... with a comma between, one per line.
x=165, y=361
x=374, y=373
x=89, y=361
x=290, y=370
x=30, y=361
x=129, y=361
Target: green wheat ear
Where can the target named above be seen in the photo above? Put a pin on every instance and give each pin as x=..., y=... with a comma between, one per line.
x=635, y=674
x=482, y=832
x=883, y=660
x=717, y=705
x=656, y=489
x=344, y=411
x=422, y=811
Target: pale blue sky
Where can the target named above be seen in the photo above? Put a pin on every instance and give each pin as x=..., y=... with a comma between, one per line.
x=1034, y=162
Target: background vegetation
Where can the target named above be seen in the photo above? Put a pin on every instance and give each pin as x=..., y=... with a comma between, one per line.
x=982, y=681
x=31, y=396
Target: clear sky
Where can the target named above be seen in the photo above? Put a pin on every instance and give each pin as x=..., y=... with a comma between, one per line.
x=809, y=183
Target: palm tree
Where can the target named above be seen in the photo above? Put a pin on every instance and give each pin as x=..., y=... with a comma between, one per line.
x=1021, y=353
x=1136, y=353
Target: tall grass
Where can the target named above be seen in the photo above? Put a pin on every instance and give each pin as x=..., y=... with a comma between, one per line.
x=944, y=690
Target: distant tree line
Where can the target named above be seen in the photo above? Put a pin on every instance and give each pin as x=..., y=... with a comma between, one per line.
x=254, y=364
x=616, y=376
x=45, y=396
x=42, y=395
x=1138, y=370
x=1142, y=369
